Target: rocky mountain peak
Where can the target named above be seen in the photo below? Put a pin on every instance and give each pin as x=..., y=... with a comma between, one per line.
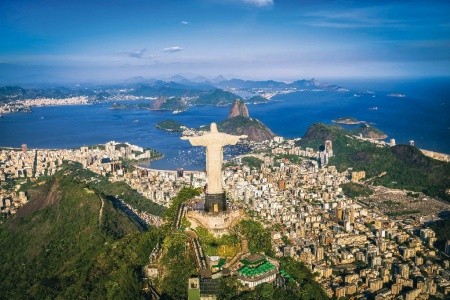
x=238, y=109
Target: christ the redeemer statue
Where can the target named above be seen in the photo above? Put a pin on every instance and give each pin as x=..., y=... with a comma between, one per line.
x=214, y=141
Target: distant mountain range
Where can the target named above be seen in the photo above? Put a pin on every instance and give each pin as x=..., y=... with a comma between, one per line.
x=218, y=91
x=223, y=83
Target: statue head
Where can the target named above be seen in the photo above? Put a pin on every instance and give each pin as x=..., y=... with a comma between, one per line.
x=214, y=127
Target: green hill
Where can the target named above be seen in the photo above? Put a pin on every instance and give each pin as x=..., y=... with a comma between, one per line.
x=69, y=242
x=172, y=103
x=406, y=166
x=217, y=97
x=371, y=132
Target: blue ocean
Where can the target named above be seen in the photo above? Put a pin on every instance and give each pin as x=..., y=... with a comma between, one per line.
x=422, y=114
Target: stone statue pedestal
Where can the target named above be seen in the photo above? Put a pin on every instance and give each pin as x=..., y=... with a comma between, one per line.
x=218, y=224
x=215, y=203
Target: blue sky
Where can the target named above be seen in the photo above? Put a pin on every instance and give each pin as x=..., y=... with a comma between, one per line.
x=255, y=39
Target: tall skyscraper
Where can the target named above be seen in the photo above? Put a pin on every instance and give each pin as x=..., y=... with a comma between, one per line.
x=329, y=148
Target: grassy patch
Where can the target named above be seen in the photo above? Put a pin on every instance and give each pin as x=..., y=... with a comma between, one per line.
x=354, y=190
x=252, y=162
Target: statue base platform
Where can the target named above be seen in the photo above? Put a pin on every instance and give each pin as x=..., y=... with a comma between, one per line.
x=215, y=203
x=217, y=223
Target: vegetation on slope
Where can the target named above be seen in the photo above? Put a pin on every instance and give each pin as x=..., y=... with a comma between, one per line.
x=442, y=229
x=259, y=238
x=227, y=245
x=354, y=190
x=117, y=189
x=69, y=242
x=183, y=195
x=369, y=131
x=405, y=166
x=177, y=261
x=252, y=162
x=254, y=129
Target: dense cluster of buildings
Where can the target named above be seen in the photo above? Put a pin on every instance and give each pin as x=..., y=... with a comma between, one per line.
x=355, y=250
x=25, y=105
x=160, y=186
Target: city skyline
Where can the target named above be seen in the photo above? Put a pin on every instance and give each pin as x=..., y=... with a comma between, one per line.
x=48, y=41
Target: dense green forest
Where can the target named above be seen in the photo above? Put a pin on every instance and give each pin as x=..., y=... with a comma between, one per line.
x=69, y=241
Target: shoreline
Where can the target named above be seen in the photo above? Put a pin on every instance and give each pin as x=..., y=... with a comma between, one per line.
x=444, y=157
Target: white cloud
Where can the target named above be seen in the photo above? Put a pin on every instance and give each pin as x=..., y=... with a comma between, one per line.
x=172, y=49
x=260, y=3
x=184, y=22
x=137, y=54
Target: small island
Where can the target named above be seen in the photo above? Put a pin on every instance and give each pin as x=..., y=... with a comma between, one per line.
x=170, y=125
x=348, y=121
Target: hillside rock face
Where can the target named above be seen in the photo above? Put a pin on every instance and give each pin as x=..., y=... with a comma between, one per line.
x=158, y=103
x=238, y=109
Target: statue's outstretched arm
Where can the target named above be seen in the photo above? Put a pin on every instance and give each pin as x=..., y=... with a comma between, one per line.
x=232, y=139
x=195, y=140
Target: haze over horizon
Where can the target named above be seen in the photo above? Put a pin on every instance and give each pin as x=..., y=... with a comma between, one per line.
x=50, y=41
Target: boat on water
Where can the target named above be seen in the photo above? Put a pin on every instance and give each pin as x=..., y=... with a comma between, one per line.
x=177, y=111
x=373, y=108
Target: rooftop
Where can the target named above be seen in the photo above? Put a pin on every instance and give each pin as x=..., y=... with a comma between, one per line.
x=250, y=272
